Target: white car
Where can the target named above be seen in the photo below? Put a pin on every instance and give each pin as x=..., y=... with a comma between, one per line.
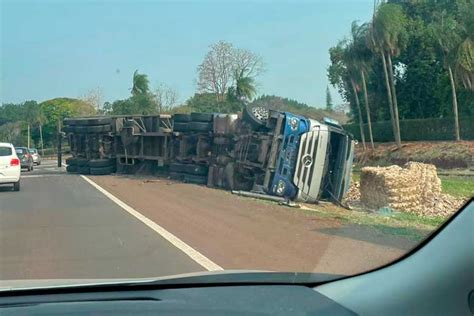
x=36, y=156
x=10, y=166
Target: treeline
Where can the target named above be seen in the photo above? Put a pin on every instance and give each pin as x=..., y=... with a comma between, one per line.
x=36, y=124
x=412, y=60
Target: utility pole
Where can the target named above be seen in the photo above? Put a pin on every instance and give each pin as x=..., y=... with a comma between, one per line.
x=29, y=136
x=60, y=137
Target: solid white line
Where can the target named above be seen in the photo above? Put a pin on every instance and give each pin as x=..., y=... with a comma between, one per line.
x=40, y=175
x=175, y=241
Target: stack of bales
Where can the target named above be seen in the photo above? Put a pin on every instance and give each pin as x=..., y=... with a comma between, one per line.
x=415, y=188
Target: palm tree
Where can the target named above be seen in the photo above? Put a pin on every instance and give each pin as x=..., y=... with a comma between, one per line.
x=362, y=56
x=386, y=37
x=446, y=32
x=244, y=88
x=465, y=63
x=343, y=72
x=140, y=84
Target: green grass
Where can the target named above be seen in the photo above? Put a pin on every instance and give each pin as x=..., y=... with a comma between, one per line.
x=462, y=187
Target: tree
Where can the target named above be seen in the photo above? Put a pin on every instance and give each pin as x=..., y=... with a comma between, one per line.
x=243, y=89
x=165, y=98
x=328, y=99
x=140, y=84
x=386, y=36
x=446, y=31
x=224, y=66
x=94, y=97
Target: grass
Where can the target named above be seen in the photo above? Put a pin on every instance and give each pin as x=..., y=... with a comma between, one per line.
x=462, y=187
x=407, y=225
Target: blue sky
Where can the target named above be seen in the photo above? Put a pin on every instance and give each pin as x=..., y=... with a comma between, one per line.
x=66, y=48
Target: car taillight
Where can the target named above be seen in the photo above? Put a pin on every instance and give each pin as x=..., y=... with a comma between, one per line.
x=15, y=162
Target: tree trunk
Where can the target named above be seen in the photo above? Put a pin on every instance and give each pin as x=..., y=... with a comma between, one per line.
x=455, y=105
x=394, y=97
x=361, y=126
x=28, y=136
x=41, y=139
x=389, y=97
x=367, y=109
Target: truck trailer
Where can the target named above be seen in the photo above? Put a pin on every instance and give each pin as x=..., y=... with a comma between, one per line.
x=260, y=150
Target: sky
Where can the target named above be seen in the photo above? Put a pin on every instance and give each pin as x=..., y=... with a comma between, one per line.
x=67, y=48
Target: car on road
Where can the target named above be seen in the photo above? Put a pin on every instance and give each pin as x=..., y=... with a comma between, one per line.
x=36, y=156
x=25, y=157
x=10, y=166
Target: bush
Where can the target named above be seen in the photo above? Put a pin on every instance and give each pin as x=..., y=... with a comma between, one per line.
x=417, y=129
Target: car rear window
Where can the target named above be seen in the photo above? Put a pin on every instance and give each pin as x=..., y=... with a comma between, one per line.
x=20, y=150
x=5, y=151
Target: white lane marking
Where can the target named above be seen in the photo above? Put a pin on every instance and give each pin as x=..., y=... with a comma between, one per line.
x=175, y=241
x=40, y=175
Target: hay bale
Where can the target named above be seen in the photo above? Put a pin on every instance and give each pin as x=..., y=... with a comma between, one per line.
x=415, y=188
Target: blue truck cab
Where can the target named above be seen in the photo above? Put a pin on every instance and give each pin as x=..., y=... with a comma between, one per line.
x=314, y=160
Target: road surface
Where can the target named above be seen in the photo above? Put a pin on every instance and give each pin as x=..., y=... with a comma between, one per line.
x=73, y=227
x=59, y=226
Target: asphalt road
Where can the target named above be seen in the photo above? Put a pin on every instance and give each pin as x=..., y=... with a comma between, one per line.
x=59, y=226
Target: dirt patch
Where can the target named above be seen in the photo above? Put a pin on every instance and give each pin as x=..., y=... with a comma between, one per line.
x=444, y=155
x=242, y=233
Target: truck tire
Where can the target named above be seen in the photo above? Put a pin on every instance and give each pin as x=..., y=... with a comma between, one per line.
x=177, y=176
x=181, y=127
x=202, y=117
x=98, y=163
x=181, y=117
x=83, y=170
x=195, y=179
x=256, y=115
x=100, y=171
x=93, y=129
x=68, y=129
x=178, y=167
x=16, y=186
x=82, y=162
x=200, y=127
x=71, y=161
x=71, y=169
x=93, y=121
x=198, y=170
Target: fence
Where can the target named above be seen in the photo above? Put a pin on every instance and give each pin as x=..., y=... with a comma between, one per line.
x=417, y=129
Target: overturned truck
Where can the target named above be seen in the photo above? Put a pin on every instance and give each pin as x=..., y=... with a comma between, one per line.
x=261, y=150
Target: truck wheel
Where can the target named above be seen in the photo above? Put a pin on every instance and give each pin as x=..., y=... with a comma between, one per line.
x=71, y=169
x=256, y=115
x=181, y=117
x=98, y=163
x=100, y=171
x=200, y=127
x=93, y=129
x=82, y=162
x=195, y=179
x=83, y=170
x=177, y=176
x=94, y=121
x=68, y=129
x=181, y=127
x=71, y=161
x=16, y=186
x=198, y=170
x=178, y=167
x=202, y=117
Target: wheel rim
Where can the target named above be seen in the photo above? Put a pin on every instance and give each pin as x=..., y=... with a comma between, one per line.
x=260, y=113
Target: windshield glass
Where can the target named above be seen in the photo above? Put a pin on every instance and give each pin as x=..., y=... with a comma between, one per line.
x=5, y=151
x=176, y=137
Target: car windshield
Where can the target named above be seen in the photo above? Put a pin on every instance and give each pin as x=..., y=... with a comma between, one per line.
x=159, y=138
